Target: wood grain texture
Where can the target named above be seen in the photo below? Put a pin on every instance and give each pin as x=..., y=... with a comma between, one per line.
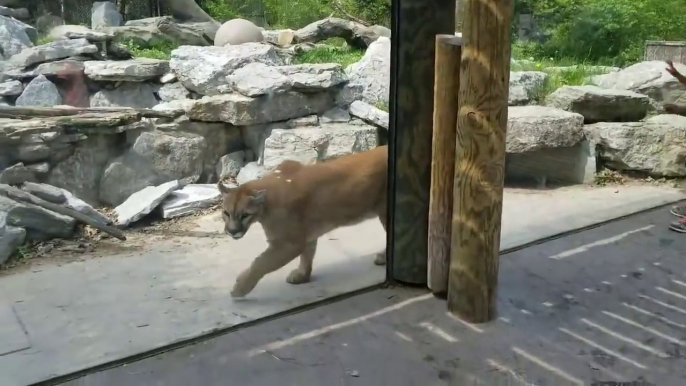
x=415, y=25
x=446, y=88
x=480, y=160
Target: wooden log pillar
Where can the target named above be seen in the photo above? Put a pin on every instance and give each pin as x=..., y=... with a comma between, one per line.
x=414, y=26
x=446, y=88
x=480, y=159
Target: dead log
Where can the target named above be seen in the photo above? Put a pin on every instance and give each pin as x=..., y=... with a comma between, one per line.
x=19, y=195
x=30, y=112
x=355, y=34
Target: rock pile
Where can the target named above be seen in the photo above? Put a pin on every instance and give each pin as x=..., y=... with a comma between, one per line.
x=147, y=135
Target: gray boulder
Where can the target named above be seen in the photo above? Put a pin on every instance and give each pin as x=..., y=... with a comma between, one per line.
x=40, y=92
x=308, y=145
x=205, y=69
x=129, y=94
x=13, y=38
x=600, y=105
x=172, y=92
x=369, y=79
x=46, y=192
x=230, y=165
x=656, y=146
x=531, y=128
x=11, y=88
x=335, y=115
x=155, y=158
x=648, y=78
x=525, y=86
x=81, y=171
x=40, y=224
x=11, y=238
x=105, y=14
x=17, y=174
x=56, y=50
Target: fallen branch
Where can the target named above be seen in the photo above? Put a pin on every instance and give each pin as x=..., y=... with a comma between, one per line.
x=355, y=34
x=19, y=195
x=22, y=112
x=339, y=7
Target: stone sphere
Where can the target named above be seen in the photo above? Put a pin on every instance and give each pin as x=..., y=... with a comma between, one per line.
x=237, y=31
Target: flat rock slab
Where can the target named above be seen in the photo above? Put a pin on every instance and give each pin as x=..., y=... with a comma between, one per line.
x=369, y=113
x=134, y=70
x=189, y=199
x=143, y=202
x=532, y=128
x=600, y=105
x=240, y=110
x=40, y=224
x=60, y=49
x=48, y=69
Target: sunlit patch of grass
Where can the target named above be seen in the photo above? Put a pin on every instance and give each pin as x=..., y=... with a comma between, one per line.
x=343, y=55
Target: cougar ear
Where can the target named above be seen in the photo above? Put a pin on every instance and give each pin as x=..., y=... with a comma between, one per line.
x=258, y=196
x=223, y=189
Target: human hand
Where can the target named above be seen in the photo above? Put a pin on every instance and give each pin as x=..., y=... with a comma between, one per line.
x=671, y=70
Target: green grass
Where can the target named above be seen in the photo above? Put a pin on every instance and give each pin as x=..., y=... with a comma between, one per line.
x=43, y=40
x=161, y=50
x=342, y=55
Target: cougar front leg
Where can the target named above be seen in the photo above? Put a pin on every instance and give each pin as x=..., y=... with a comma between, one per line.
x=273, y=258
x=302, y=273
x=381, y=256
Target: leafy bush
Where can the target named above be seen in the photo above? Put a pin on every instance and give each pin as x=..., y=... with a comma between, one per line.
x=298, y=13
x=609, y=31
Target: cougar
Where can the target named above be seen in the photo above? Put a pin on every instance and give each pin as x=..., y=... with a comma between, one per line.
x=297, y=203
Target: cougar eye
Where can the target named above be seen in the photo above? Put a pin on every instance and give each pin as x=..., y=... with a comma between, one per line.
x=245, y=215
x=227, y=214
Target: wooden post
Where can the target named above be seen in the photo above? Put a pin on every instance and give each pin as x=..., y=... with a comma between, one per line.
x=446, y=88
x=480, y=161
x=414, y=27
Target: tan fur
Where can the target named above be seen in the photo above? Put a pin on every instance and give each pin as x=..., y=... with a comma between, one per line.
x=296, y=204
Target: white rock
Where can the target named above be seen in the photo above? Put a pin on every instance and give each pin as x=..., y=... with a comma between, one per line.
x=525, y=86
x=11, y=88
x=650, y=78
x=143, y=202
x=169, y=77
x=600, y=105
x=252, y=171
x=128, y=94
x=205, y=69
x=53, y=51
x=308, y=145
x=13, y=39
x=370, y=78
x=189, y=199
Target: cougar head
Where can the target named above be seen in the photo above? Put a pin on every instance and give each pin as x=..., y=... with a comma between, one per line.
x=241, y=207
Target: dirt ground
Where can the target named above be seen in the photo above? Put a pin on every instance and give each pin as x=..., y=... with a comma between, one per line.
x=90, y=243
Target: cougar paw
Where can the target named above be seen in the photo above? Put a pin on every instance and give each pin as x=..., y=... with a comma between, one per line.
x=297, y=277
x=380, y=258
x=243, y=286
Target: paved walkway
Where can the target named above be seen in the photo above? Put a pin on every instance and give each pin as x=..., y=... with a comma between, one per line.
x=603, y=305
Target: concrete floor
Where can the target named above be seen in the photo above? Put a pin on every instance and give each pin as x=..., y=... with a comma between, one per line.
x=63, y=319
x=600, y=307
